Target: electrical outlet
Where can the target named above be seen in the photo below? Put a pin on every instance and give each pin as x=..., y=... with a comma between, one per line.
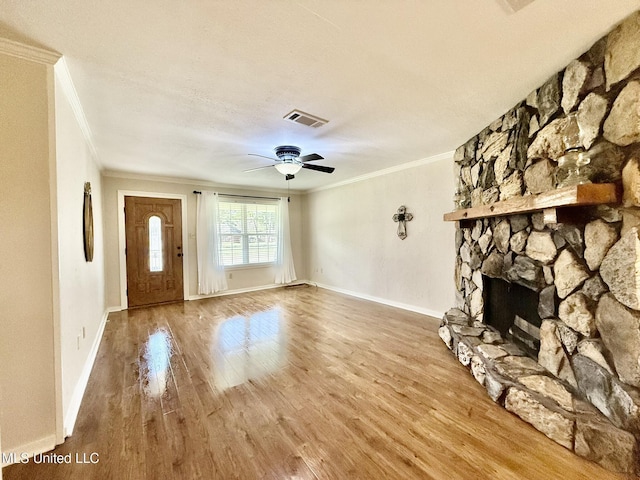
x=230, y=275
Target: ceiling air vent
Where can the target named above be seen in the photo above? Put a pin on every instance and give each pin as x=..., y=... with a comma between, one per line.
x=512, y=6
x=298, y=116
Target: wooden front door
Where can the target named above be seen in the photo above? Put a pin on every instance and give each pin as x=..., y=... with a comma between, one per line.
x=153, y=230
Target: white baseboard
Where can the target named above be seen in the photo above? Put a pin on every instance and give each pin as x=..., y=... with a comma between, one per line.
x=29, y=449
x=225, y=292
x=71, y=414
x=242, y=290
x=383, y=301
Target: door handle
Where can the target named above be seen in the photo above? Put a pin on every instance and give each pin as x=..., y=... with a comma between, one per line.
x=180, y=254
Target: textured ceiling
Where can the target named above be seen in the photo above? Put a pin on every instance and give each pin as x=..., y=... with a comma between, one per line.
x=188, y=89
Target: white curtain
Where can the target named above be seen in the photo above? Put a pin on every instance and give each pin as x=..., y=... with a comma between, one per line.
x=285, y=272
x=211, y=276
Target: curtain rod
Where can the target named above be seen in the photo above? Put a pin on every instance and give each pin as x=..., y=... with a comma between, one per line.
x=241, y=196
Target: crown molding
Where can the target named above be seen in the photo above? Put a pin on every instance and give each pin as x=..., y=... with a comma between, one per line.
x=68, y=88
x=196, y=183
x=387, y=171
x=202, y=183
x=28, y=52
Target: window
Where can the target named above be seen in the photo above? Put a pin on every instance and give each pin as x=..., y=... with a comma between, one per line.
x=155, y=244
x=248, y=232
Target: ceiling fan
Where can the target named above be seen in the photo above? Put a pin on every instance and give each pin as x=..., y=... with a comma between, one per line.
x=289, y=161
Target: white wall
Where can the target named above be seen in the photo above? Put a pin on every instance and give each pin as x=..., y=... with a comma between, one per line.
x=28, y=287
x=353, y=245
x=245, y=278
x=82, y=304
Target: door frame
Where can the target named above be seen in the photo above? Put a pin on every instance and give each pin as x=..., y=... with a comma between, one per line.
x=122, y=242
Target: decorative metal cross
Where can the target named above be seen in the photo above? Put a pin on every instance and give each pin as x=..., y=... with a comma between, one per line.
x=402, y=217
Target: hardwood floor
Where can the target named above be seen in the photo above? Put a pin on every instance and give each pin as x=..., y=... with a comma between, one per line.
x=292, y=383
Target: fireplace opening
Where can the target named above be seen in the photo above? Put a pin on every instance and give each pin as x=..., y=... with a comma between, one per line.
x=513, y=310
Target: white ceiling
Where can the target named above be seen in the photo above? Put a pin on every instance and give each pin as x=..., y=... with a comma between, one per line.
x=187, y=89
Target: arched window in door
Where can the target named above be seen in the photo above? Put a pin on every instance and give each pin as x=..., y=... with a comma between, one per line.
x=155, y=244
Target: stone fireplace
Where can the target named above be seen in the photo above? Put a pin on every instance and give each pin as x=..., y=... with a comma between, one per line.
x=547, y=271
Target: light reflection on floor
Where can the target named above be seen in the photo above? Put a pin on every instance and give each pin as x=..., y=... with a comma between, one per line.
x=248, y=348
x=155, y=370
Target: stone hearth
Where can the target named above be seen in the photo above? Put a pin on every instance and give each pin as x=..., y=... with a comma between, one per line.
x=584, y=389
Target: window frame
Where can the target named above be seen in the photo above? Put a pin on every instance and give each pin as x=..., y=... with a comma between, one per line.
x=244, y=202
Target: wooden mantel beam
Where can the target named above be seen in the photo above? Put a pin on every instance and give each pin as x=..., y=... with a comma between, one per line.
x=573, y=196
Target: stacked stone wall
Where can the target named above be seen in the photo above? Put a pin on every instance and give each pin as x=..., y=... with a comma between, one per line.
x=586, y=271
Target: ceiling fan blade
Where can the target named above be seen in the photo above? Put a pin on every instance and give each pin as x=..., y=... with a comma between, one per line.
x=311, y=157
x=256, y=155
x=258, y=168
x=319, y=168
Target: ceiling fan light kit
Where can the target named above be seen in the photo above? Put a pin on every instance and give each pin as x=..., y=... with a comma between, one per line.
x=288, y=168
x=290, y=159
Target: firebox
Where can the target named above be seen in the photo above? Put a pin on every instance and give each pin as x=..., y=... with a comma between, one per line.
x=513, y=310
